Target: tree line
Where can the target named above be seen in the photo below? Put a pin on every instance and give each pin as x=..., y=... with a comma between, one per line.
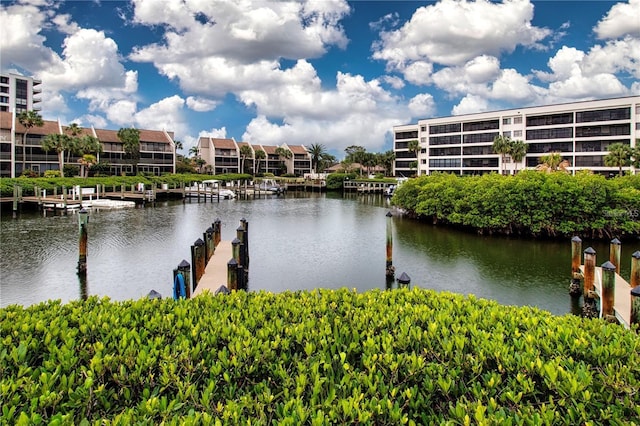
x=530, y=203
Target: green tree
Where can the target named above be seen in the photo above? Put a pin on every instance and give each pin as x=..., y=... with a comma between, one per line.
x=259, y=156
x=28, y=119
x=501, y=145
x=414, y=147
x=245, y=152
x=283, y=153
x=552, y=162
x=517, y=151
x=130, y=137
x=86, y=161
x=635, y=157
x=58, y=143
x=326, y=160
x=194, y=151
x=355, y=154
x=199, y=162
x=386, y=160
x=619, y=156
x=317, y=151
x=369, y=160
x=74, y=131
x=178, y=145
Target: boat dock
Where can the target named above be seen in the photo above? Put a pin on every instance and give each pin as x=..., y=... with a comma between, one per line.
x=605, y=293
x=215, y=265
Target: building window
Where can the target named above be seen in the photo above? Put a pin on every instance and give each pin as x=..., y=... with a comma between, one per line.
x=517, y=120
x=550, y=119
x=506, y=121
x=480, y=137
x=561, y=133
x=506, y=134
x=444, y=140
x=423, y=128
x=444, y=162
x=613, y=130
x=481, y=125
x=423, y=140
x=445, y=128
x=603, y=115
x=407, y=135
x=517, y=133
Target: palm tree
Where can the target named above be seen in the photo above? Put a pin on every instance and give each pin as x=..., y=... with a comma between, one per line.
x=317, y=151
x=553, y=162
x=501, y=145
x=258, y=155
x=414, y=147
x=245, y=152
x=86, y=161
x=58, y=143
x=28, y=119
x=130, y=137
x=283, y=153
x=178, y=145
x=194, y=151
x=619, y=156
x=635, y=155
x=386, y=160
x=326, y=160
x=517, y=151
x=73, y=130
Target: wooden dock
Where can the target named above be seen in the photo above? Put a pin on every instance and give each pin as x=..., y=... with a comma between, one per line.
x=215, y=273
x=622, y=296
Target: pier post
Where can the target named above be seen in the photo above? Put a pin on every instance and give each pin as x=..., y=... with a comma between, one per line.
x=197, y=260
x=608, y=289
x=390, y=270
x=232, y=274
x=83, y=219
x=185, y=269
x=635, y=305
x=217, y=228
x=576, y=275
x=614, y=253
x=208, y=239
x=589, y=272
x=243, y=251
x=634, y=278
x=15, y=201
x=245, y=240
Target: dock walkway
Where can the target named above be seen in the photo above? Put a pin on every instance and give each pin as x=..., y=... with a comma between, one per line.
x=215, y=274
x=621, y=298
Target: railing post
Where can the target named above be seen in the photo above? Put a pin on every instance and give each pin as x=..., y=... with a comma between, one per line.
x=608, y=289
x=614, y=253
x=576, y=275
x=389, y=270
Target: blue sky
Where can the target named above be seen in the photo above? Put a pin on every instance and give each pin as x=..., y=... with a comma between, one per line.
x=332, y=72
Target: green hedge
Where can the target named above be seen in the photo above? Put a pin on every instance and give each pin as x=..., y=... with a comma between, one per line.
x=28, y=184
x=320, y=357
x=530, y=203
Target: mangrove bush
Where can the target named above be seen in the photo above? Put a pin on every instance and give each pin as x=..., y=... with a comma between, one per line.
x=320, y=357
x=529, y=203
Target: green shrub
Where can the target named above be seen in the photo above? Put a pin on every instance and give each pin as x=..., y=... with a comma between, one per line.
x=320, y=357
x=530, y=203
x=51, y=173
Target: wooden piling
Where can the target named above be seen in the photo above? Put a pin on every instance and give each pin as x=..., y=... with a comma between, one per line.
x=608, y=289
x=232, y=274
x=208, y=243
x=198, y=260
x=589, y=272
x=245, y=240
x=635, y=305
x=83, y=241
x=389, y=270
x=614, y=253
x=185, y=269
x=634, y=279
x=217, y=229
x=576, y=276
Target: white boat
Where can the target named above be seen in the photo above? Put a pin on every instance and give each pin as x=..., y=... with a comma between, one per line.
x=208, y=188
x=105, y=203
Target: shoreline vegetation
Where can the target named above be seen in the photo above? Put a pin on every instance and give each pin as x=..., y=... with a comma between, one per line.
x=406, y=356
x=529, y=204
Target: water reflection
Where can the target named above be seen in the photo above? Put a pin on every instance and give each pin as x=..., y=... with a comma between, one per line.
x=299, y=241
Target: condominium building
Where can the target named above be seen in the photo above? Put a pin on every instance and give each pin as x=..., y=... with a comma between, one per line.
x=19, y=93
x=223, y=155
x=21, y=149
x=580, y=131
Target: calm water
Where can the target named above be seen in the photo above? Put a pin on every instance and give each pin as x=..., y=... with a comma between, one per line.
x=303, y=242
